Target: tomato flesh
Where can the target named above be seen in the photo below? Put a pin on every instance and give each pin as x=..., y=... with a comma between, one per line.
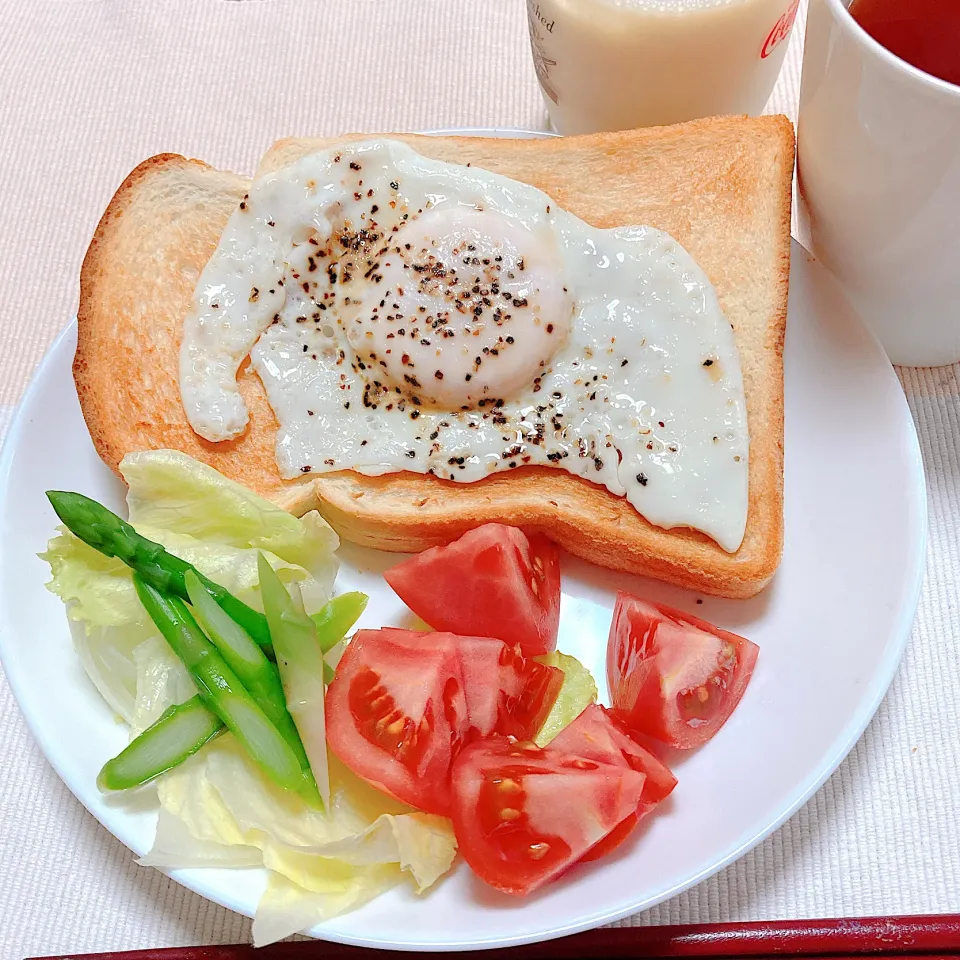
x=596, y=735
x=494, y=581
x=524, y=814
x=672, y=676
x=527, y=693
x=613, y=839
x=404, y=703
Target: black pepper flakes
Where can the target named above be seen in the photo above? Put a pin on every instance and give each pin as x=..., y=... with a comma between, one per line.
x=642, y=479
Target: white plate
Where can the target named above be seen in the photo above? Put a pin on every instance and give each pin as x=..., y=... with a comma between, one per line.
x=831, y=629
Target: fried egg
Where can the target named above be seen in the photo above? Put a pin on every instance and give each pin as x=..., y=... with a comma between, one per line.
x=406, y=314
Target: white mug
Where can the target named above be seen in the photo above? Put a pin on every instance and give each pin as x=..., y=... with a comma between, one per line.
x=878, y=163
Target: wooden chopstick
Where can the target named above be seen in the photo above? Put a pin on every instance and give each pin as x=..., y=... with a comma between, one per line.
x=907, y=938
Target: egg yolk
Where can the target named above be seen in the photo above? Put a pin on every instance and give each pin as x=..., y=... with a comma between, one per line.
x=465, y=307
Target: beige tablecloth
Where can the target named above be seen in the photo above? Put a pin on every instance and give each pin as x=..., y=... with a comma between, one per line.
x=90, y=88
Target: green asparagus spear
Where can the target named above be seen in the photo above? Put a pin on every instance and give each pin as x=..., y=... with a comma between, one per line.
x=221, y=691
x=300, y=662
x=179, y=733
x=335, y=618
x=247, y=661
x=95, y=525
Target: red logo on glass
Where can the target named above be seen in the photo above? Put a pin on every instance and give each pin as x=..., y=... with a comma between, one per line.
x=780, y=31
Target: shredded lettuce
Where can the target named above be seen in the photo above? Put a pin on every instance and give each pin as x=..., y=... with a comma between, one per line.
x=579, y=690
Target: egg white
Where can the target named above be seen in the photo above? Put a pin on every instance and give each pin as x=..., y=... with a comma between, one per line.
x=639, y=391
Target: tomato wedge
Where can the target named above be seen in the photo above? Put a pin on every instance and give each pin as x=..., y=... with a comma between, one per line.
x=672, y=676
x=596, y=735
x=404, y=703
x=524, y=814
x=494, y=581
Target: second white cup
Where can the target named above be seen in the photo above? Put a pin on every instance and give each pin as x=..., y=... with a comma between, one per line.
x=879, y=172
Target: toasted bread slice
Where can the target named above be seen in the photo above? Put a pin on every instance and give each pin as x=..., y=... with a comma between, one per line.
x=721, y=187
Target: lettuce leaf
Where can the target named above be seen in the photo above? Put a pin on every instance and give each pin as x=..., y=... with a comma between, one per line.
x=176, y=848
x=320, y=863
x=205, y=519
x=172, y=491
x=96, y=589
x=162, y=679
x=107, y=655
x=286, y=908
x=99, y=595
x=579, y=690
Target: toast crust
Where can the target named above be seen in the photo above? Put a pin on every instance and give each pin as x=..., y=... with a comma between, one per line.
x=721, y=187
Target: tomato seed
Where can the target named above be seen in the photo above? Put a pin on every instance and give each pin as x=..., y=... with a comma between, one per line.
x=538, y=851
x=510, y=813
x=509, y=786
x=390, y=718
x=703, y=695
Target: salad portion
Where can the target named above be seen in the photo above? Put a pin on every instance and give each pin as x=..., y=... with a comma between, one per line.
x=346, y=765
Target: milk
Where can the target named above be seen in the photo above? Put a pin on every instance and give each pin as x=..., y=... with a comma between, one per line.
x=619, y=64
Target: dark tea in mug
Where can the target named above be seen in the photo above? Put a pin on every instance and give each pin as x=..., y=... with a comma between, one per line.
x=925, y=33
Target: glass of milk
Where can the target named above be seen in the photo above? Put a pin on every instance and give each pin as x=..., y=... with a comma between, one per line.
x=620, y=64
